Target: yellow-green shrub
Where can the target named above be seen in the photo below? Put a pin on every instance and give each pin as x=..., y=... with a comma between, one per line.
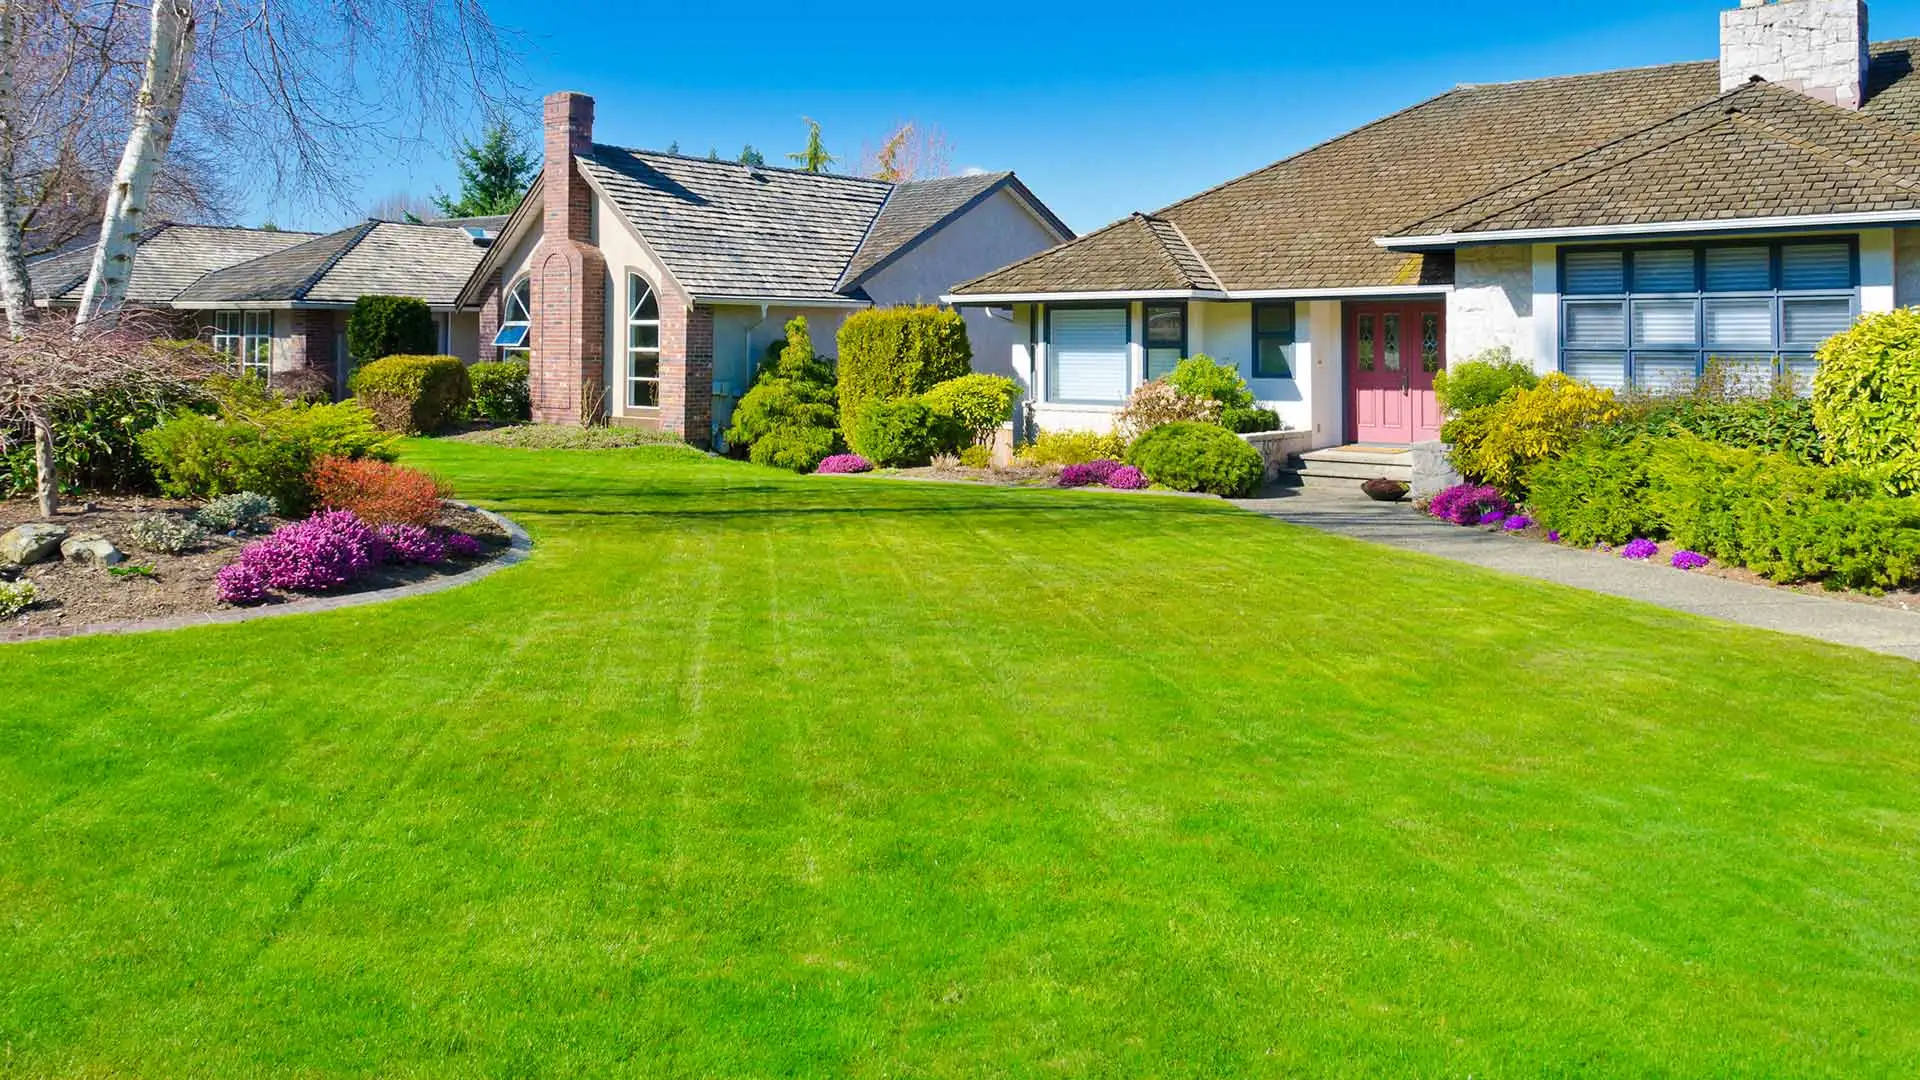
x=414, y=394
x=1866, y=396
x=1496, y=444
x=1073, y=448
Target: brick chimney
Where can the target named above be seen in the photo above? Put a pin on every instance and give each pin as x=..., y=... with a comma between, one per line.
x=1818, y=47
x=569, y=275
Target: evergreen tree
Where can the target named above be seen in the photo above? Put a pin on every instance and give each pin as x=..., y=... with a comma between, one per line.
x=815, y=157
x=673, y=147
x=493, y=175
x=750, y=156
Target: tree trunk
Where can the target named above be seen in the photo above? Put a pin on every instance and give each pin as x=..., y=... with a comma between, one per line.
x=156, y=113
x=16, y=292
x=47, y=472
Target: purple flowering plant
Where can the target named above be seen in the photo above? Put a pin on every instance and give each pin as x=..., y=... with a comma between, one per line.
x=1640, y=548
x=412, y=544
x=459, y=545
x=1127, y=478
x=1553, y=536
x=1470, y=504
x=1689, y=560
x=1089, y=473
x=1517, y=523
x=840, y=464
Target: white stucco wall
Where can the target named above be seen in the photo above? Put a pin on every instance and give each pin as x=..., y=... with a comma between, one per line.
x=999, y=231
x=1492, y=302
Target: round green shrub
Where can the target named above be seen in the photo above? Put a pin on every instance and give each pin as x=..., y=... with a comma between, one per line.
x=414, y=394
x=1201, y=376
x=1191, y=456
x=894, y=433
x=970, y=409
x=383, y=326
x=500, y=392
x=1481, y=381
x=1866, y=396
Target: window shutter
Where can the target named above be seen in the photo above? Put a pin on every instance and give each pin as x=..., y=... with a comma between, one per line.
x=1595, y=272
x=1087, y=354
x=1816, y=266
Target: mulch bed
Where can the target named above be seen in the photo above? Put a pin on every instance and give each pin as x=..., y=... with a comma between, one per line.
x=76, y=595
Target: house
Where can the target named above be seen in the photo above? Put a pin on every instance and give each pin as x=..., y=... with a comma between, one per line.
x=277, y=301
x=1622, y=227
x=645, y=287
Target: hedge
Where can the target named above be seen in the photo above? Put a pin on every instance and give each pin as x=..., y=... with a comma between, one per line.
x=887, y=354
x=414, y=394
x=383, y=326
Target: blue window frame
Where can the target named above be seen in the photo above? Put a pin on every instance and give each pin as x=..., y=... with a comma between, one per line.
x=1087, y=354
x=1273, y=331
x=1166, y=333
x=1651, y=318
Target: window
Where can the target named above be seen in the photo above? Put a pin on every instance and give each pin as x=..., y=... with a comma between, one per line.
x=1651, y=318
x=1166, y=338
x=246, y=337
x=643, y=344
x=1273, y=341
x=517, y=327
x=1087, y=355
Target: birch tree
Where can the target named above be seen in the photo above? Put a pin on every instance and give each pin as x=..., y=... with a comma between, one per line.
x=16, y=290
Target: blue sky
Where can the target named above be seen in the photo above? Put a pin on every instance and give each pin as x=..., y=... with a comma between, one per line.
x=1101, y=108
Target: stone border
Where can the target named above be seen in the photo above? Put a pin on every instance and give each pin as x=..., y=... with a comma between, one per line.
x=519, y=549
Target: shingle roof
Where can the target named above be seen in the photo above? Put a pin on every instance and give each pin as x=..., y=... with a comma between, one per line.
x=168, y=258
x=914, y=209
x=430, y=262
x=1138, y=253
x=728, y=230
x=1309, y=221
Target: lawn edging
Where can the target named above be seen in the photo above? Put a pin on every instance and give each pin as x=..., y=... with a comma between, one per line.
x=519, y=549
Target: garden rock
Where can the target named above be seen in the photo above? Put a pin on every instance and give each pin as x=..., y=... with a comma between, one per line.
x=91, y=551
x=32, y=543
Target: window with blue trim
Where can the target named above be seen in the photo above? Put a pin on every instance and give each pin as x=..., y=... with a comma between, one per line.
x=1166, y=326
x=1651, y=318
x=1087, y=355
x=517, y=326
x=1273, y=340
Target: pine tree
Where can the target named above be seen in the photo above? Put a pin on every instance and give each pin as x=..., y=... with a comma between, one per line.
x=673, y=147
x=750, y=156
x=815, y=157
x=493, y=175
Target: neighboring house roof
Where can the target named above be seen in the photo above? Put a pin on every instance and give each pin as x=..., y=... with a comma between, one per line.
x=385, y=258
x=167, y=259
x=726, y=230
x=917, y=209
x=1310, y=221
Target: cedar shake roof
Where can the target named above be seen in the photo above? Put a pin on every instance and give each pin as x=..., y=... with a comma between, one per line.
x=728, y=230
x=1310, y=220
x=386, y=258
x=725, y=229
x=168, y=258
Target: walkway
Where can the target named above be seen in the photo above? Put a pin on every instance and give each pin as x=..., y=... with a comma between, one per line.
x=1843, y=622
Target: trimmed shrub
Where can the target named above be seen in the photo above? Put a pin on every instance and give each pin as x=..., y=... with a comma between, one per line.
x=1159, y=402
x=1496, y=444
x=377, y=492
x=165, y=534
x=893, y=433
x=969, y=410
x=1597, y=492
x=414, y=395
x=1481, y=381
x=270, y=450
x=787, y=417
x=1866, y=396
x=887, y=354
x=16, y=597
x=1780, y=423
x=1201, y=376
x=242, y=511
x=1072, y=448
x=1244, y=420
x=383, y=326
x=1469, y=504
x=1192, y=456
x=500, y=392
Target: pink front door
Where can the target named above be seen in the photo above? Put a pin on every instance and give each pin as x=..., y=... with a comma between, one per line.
x=1393, y=351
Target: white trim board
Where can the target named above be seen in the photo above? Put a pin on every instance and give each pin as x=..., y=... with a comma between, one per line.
x=1662, y=228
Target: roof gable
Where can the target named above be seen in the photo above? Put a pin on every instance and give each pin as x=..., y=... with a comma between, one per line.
x=167, y=259
x=429, y=262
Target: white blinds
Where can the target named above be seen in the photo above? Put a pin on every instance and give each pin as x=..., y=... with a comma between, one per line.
x=1087, y=355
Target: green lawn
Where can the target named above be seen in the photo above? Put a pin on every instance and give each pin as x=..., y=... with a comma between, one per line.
x=752, y=774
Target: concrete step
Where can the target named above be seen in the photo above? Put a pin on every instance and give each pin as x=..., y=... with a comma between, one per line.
x=1322, y=468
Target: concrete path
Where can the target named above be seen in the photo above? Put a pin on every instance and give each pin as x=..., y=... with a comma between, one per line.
x=1843, y=622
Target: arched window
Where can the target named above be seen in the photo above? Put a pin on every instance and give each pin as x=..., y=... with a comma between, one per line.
x=643, y=344
x=516, y=329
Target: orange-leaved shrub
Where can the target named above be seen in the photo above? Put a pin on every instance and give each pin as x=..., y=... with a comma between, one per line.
x=378, y=492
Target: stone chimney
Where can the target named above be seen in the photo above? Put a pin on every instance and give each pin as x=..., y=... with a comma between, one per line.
x=1818, y=47
x=568, y=369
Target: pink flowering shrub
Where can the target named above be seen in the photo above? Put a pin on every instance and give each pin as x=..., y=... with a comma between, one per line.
x=328, y=550
x=1088, y=473
x=1470, y=504
x=459, y=545
x=844, y=463
x=239, y=583
x=412, y=544
x=1127, y=478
